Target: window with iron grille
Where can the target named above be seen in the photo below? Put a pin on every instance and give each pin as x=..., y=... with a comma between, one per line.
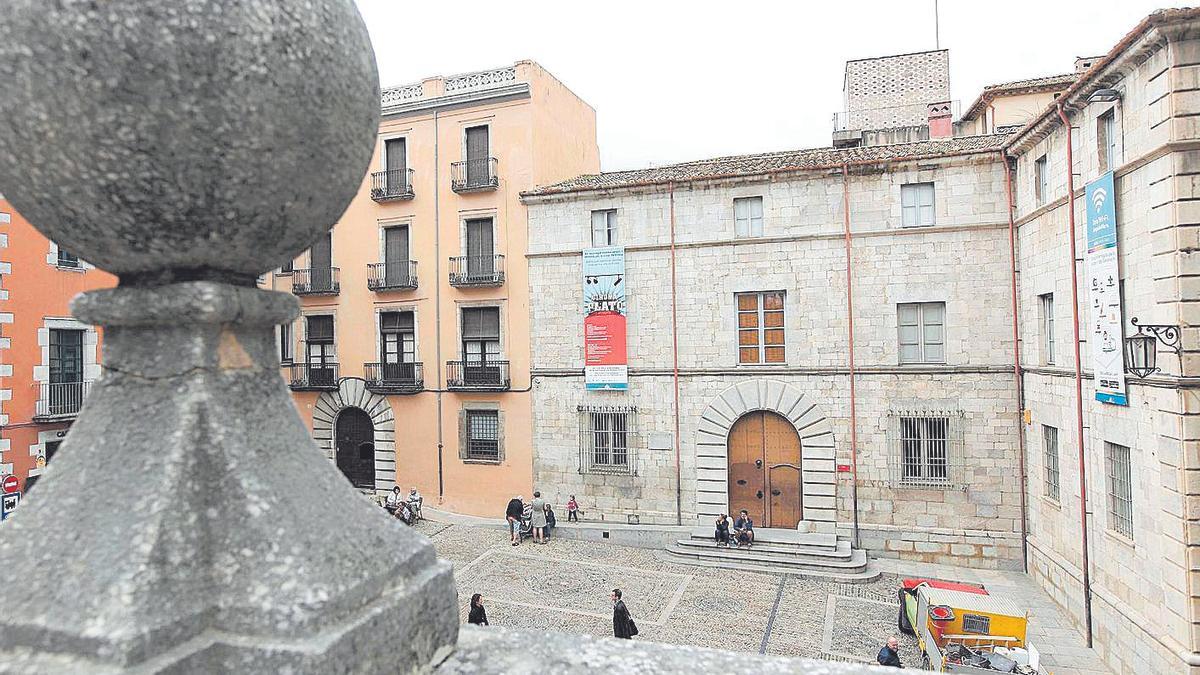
x=916, y=205
x=607, y=439
x=483, y=434
x=1050, y=459
x=760, y=328
x=1046, y=302
x=977, y=624
x=748, y=216
x=1120, y=489
x=604, y=228
x=926, y=447
x=921, y=328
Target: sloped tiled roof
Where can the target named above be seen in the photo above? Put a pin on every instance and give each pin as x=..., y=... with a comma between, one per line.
x=775, y=162
x=1032, y=85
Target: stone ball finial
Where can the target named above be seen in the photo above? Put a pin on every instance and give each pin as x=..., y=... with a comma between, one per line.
x=193, y=139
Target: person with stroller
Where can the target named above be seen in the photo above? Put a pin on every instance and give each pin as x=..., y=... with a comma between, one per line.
x=514, y=512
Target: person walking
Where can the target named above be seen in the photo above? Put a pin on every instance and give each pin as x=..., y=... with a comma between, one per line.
x=572, y=510
x=538, y=518
x=513, y=515
x=890, y=655
x=477, y=615
x=623, y=625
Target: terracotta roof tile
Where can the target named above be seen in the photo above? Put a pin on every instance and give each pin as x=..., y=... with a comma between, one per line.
x=1028, y=86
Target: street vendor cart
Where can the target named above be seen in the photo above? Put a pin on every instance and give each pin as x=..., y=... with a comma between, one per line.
x=966, y=632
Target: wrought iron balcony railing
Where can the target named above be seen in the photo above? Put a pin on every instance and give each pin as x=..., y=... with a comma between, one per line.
x=477, y=375
x=389, y=276
x=316, y=281
x=387, y=186
x=316, y=376
x=477, y=270
x=390, y=378
x=61, y=400
x=472, y=175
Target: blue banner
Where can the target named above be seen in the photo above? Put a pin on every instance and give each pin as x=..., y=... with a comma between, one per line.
x=1104, y=290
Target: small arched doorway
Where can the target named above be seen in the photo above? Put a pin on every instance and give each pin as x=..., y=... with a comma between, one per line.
x=764, y=469
x=354, y=437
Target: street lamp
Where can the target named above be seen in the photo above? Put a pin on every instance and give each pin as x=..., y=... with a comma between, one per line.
x=1141, y=348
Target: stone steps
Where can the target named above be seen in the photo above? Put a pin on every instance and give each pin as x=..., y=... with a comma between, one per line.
x=778, y=552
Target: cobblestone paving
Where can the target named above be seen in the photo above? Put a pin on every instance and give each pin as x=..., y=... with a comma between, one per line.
x=563, y=586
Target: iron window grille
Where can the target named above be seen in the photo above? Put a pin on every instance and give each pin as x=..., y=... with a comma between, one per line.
x=922, y=332
x=926, y=447
x=483, y=434
x=1120, y=489
x=1050, y=455
x=608, y=440
x=977, y=624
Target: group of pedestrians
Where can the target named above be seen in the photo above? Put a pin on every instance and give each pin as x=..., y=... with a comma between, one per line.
x=623, y=625
x=537, y=515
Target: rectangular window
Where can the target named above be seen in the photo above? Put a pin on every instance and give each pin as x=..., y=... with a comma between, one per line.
x=481, y=334
x=760, y=327
x=1050, y=460
x=1041, y=184
x=483, y=434
x=604, y=228
x=1120, y=489
x=916, y=204
x=481, y=249
x=606, y=439
x=66, y=258
x=922, y=332
x=1046, y=305
x=286, y=268
x=1106, y=141
x=320, y=359
x=66, y=356
x=925, y=446
x=748, y=216
x=397, y=344
x=285, y=343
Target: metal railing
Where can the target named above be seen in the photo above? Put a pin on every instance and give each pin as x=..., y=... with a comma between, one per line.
x=392, y=185
x=61, y=399
x=474, y=174
x=316, y=281
x=394, y=377
x=486, y=375
x=477, y=270
x=386, y=276
x=317, y=376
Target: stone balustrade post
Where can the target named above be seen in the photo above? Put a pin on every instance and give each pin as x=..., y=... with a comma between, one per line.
x=189, y=523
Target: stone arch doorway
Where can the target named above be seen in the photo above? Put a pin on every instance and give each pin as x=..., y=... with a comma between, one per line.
x=354, y=447
x=765, y=470
x=352, y=392
x=803, y=414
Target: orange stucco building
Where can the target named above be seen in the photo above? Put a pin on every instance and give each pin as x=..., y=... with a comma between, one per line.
x=410, y=361
x=48, y=360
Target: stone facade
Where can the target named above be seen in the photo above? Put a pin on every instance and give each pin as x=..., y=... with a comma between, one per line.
x=802, y=253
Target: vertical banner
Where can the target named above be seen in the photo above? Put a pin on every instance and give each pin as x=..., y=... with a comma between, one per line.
x=1104, y=292
x=604, y=361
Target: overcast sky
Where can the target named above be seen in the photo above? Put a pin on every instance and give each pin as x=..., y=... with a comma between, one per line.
x=674, y=81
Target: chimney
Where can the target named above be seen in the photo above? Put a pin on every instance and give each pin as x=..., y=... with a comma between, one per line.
x=1082, y=63
x=941, y=120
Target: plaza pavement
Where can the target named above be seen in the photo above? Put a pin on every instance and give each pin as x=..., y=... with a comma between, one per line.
x=563, y=586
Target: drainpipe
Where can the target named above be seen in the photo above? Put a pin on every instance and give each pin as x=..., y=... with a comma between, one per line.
x=675, y=362
x=1012, y=259
x=850, y=336
x=1083, y=499
x=437, y=300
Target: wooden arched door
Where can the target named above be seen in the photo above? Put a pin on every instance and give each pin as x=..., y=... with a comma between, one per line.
x=354, y=434
x=764, y=470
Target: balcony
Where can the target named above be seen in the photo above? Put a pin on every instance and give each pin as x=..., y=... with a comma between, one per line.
x=477, y=270
x=477, y=375
x=474, y=175
x=391, y=186
x=394, y=378
x=392, y=276
x=316, y=281
x=60, y=401
x=321, y=376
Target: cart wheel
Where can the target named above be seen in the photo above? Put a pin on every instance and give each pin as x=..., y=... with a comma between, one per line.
x=926, y=664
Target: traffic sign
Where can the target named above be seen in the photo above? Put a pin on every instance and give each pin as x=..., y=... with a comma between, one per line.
x=9, y=484
x=8, y=504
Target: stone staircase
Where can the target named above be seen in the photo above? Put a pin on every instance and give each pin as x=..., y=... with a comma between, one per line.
x=778, y=552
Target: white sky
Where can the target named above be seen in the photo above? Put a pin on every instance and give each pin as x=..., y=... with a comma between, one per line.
x=679, y=80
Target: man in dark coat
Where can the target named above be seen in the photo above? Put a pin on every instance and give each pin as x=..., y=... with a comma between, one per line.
x=623, y=626
x=889, y=655
x=513, y=515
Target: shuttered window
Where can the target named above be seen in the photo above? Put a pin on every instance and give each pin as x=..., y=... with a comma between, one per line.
x=922, y=332
x=760, y=328
x=397, y=338
x=481, y=333
x=916, y=204
x=604, y=228
x=748, y=216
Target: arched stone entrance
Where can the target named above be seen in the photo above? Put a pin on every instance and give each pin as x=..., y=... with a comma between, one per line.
x=764, y=469
x=352, y=393
x=354, y=447
x=817, y=502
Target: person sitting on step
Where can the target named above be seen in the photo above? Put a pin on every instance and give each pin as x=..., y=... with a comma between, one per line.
x=743, y=527
x=722, y=535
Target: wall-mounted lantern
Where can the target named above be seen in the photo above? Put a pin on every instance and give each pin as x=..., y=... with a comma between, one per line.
x=1141, y=348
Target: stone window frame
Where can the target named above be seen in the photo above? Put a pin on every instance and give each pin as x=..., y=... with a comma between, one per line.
x=761, y=328
x=588, y=434
x=1118, y=464
x=52, y=259
x=1051, y=465
x=952, y=450
x=399, y=307
x=304, y=316
x=464, y=431
x=91, y=341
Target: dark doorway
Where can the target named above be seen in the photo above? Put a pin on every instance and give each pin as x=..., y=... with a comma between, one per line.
x=764, y=470
x=355, y=438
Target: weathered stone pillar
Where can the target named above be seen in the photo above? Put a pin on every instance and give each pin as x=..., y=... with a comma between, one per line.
x=189, y=523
